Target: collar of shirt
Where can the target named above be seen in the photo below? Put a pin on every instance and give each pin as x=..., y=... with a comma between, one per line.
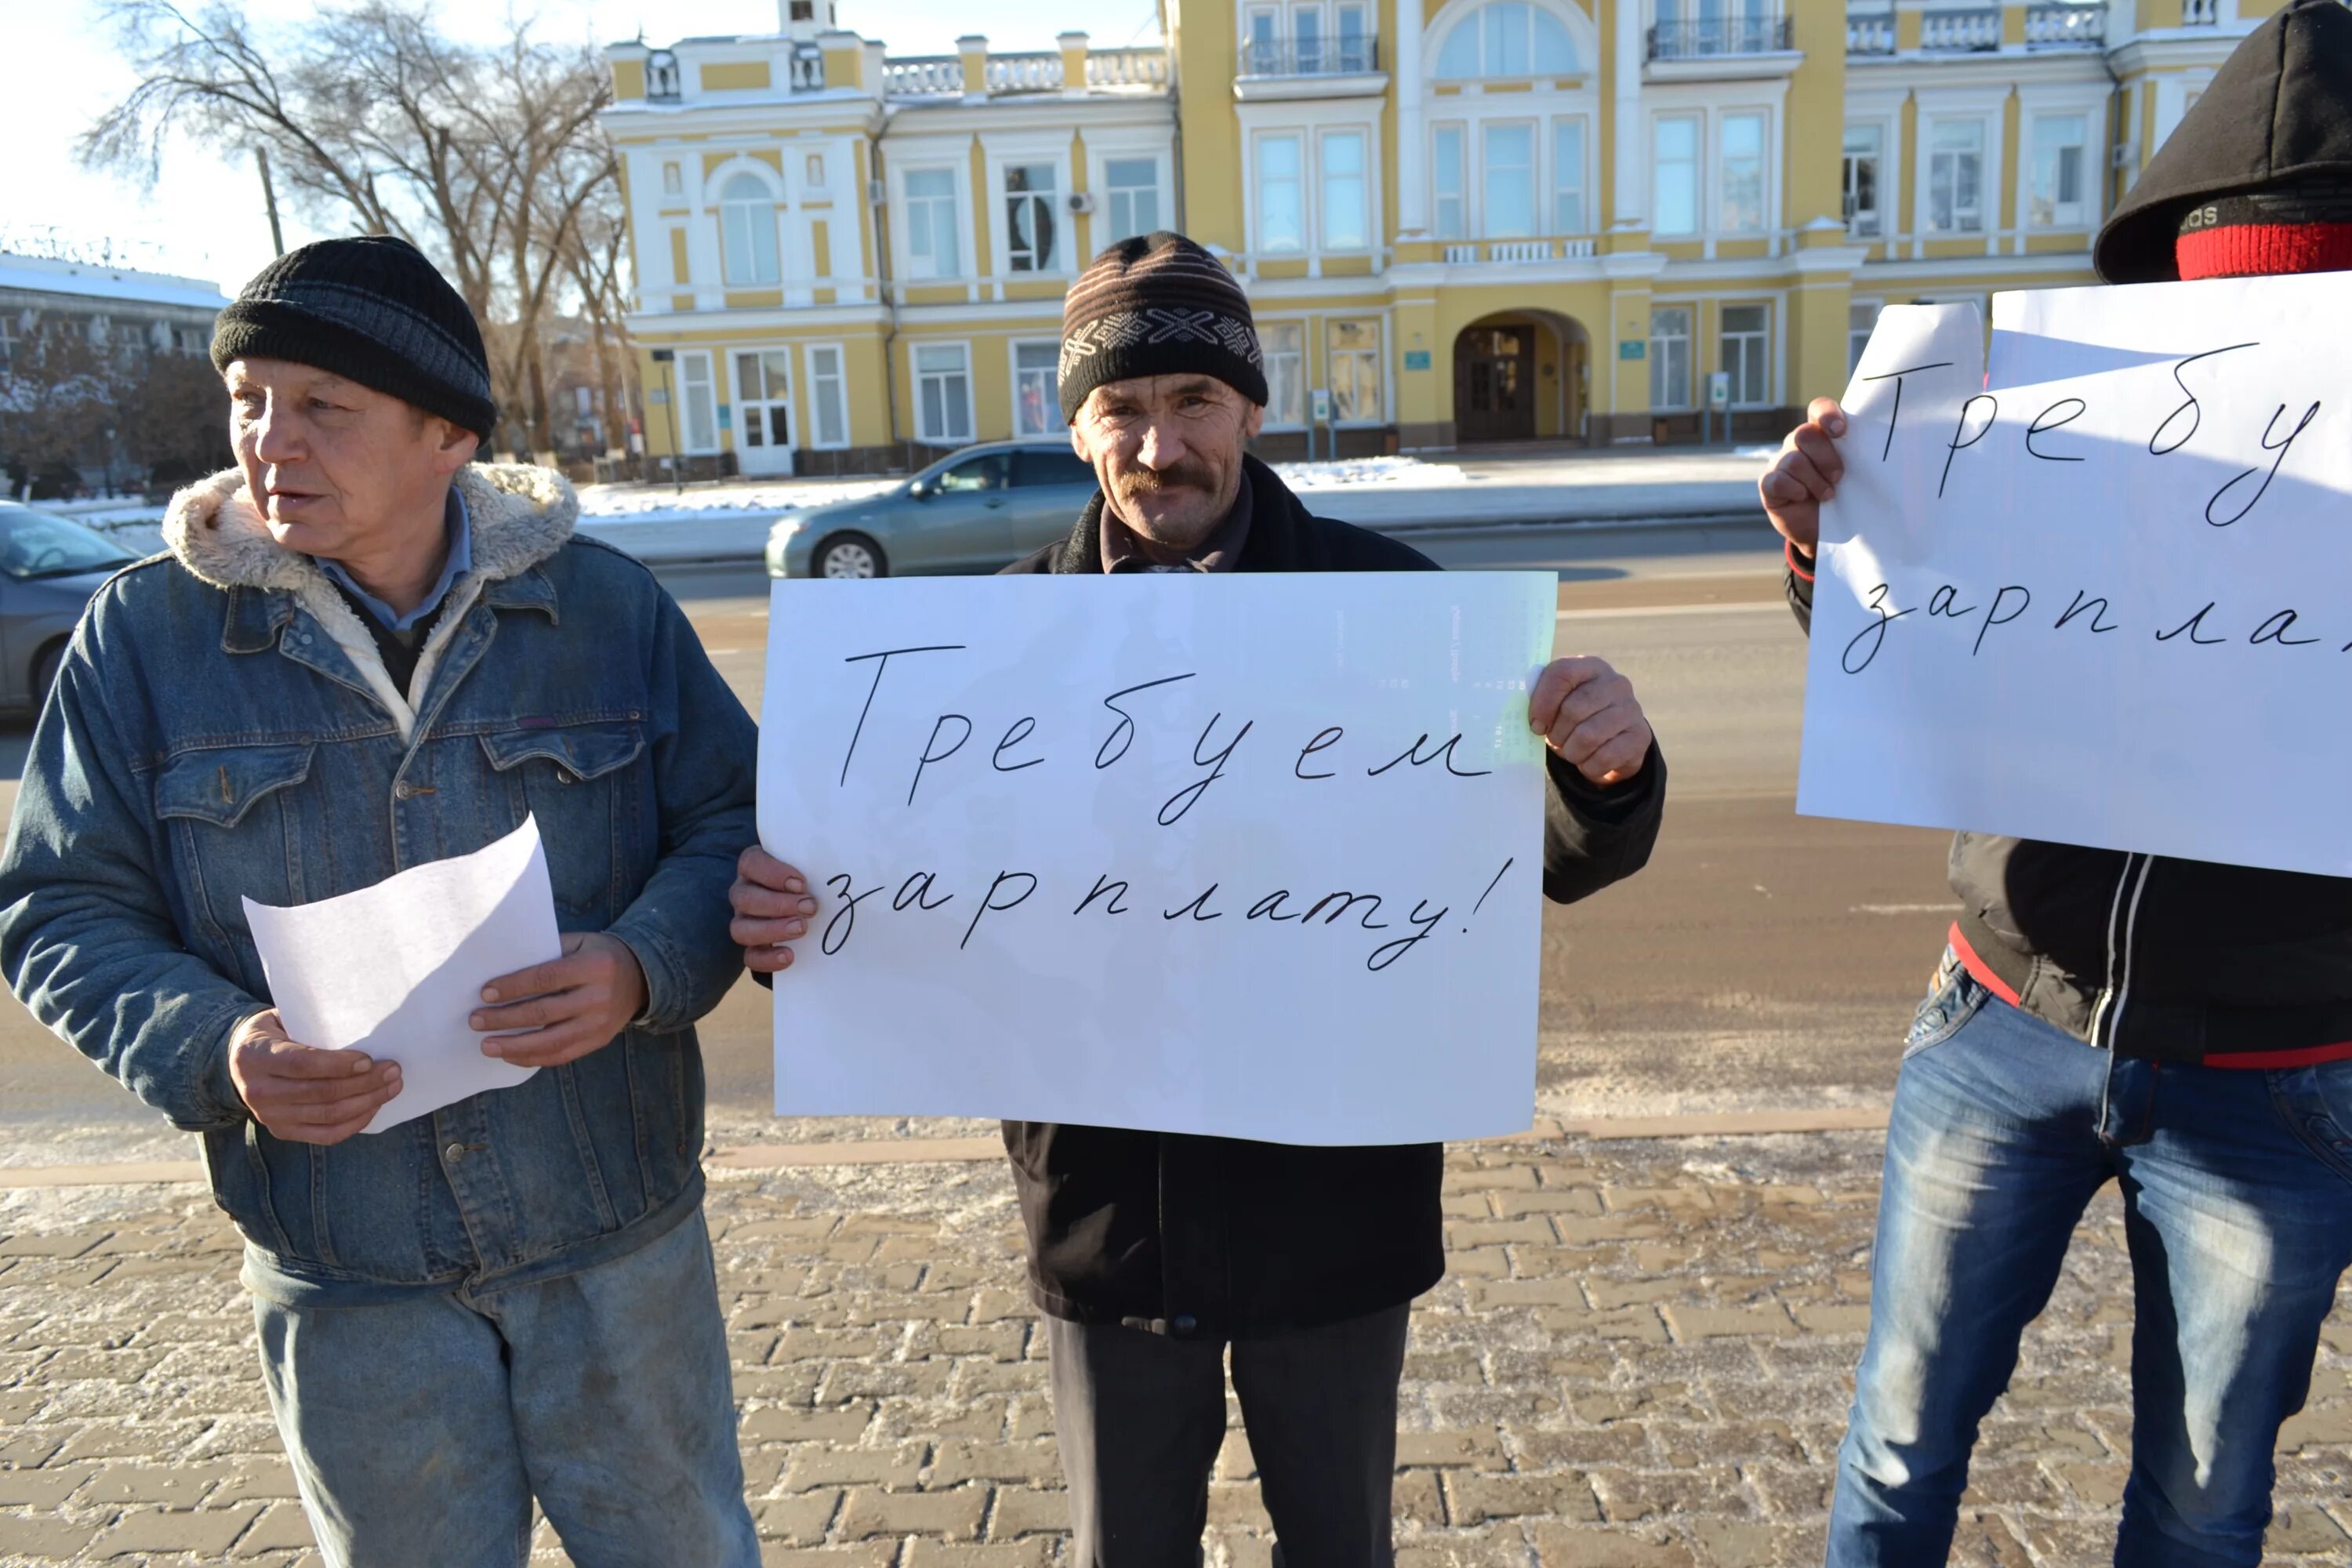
x=1221, y=551
x=461, y=559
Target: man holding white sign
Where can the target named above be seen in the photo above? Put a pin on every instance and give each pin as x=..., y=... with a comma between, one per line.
x=2144, y=982
x=364, y=655
x=1152, y=1251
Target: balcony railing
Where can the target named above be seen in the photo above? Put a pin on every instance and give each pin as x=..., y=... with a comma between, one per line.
x=1870, y=33
x=806, y=71
x=1521, y=251
x=1960, y=32
x=2199, y=12
x=2060, y=27
x=1709, y=38
x=1127, y=68
x=1310, y=57
x=923, y=76
x=1038, y=72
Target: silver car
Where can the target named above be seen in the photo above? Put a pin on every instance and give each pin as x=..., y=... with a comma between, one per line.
x=49, y=566
x=972, y=510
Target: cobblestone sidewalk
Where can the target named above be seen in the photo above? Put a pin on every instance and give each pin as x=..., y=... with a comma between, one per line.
x=1642, y=1357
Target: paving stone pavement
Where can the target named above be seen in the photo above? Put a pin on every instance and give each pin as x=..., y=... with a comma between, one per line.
x=1641, y=1359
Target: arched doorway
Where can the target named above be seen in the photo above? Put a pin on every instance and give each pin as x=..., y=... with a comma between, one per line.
x=1519, y=376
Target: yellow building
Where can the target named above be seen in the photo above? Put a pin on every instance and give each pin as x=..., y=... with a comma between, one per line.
x=1459, y=222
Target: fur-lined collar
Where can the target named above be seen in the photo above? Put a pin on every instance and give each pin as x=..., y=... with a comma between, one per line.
x=521, y=516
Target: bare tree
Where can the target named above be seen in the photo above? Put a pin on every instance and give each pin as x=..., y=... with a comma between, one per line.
x=489, y=160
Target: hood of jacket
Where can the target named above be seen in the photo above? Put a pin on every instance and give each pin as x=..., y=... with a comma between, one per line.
x=2278, y=113
x=521, y=516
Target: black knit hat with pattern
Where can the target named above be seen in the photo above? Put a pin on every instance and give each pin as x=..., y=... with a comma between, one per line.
x=1157, y=305
x=371, y=308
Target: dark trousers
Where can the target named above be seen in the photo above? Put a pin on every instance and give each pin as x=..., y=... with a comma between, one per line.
x=1140, y=1418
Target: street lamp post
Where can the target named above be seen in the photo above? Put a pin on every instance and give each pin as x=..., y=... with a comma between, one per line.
x=663, y=357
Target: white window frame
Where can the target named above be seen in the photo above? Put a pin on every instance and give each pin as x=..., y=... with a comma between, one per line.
x=958, y=208
x=1985, y=106
x=1765, y=353
x=815, y=380
x=1326, y=242
x=1696, y=121
x=1582, y=47
x=1112, y=230
x=684, y=384
x=790, y=400
x=1856, y=339
x=925, y=431
x=2037, y=102
x=1055, y=262
x=1576, y=182
x=1722, y=181
x=2064, y=215
x=1378, y=353
x=1881, y=160
x=1260, y=243
x=1689, y=340
x=1014, y=373
x=1463, y=161
x=1960, y=228
x=1270, y=335
x=1533, y=130
x=765, y=177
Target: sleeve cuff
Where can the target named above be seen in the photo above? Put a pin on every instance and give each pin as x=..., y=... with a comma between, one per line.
x=665, y=986
x=1799, y=561
x=1609, y=804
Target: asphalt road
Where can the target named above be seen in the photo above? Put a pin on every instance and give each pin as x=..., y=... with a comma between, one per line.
x=1763, y=959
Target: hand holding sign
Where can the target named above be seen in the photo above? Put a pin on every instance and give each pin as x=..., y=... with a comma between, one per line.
x=1587, y=713
x=1805, y=474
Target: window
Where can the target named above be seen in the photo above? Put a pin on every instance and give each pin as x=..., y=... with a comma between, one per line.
x=1743, y=174
x=1509, y=39
x=931, y=250
x=747, y=232
x=2059, y=142
x=1861, y=318
x=1281, y=198
x=1284, y=343
x=1347, y=217
x=1354, y=52
x=1747, y=352
x=943, y=393
x=764, y=383
x=699, y=412
x=1507, y=191
x=1029, y=217
x=1134, y=184
x=1307, y=34
x=828, y=398
x=1262, y=52
x=661, y=75
x=1956, y=176
x=985, y=472
x=1057, y=468
x=1445, y=181
x=1864, y=146
x=673, y=180
x=1355, y=371
x=1568, y=176
x=1670, y=366
x=1036, y=400
x=1676, y=179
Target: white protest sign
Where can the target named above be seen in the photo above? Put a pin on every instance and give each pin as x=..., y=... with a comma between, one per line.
x=1259, y=856
x=2103, y=595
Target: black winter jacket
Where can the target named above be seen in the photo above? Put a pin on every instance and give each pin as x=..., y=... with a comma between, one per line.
x=2184, y=960
x=1216, y=1237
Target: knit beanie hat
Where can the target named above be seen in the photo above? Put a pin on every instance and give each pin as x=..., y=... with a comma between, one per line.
x=1157, y=305
x=371, y=308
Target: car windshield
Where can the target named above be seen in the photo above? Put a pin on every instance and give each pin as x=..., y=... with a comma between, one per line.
x=35, y=544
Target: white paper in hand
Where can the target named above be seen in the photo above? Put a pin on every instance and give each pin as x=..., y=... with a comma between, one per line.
x=396, y=970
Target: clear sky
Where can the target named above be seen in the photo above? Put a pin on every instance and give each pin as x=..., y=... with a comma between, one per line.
x=204, y=217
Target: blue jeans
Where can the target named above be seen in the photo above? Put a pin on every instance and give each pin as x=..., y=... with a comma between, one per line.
x=421, y=1430
x=2237, y=1188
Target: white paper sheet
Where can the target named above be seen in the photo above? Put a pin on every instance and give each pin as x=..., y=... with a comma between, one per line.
x=396, y=970
x=2098, y=596
x=968, y=961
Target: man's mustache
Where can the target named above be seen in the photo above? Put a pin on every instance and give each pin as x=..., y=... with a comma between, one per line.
x=1182, y=476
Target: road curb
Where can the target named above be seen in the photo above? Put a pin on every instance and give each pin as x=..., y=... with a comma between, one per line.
x=751, y=1159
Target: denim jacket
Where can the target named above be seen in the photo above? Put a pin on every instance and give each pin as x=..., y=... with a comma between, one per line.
x=222, y=727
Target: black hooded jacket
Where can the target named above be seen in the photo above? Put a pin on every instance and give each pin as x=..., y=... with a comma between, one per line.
x=1216, y=1237
x=2183, y=959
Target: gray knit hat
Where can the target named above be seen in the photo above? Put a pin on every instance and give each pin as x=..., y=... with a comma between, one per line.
x=371, y=308
x=1157, y=305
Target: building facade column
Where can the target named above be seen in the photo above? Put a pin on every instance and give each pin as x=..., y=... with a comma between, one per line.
x=1412, y=137
x=1632, y=183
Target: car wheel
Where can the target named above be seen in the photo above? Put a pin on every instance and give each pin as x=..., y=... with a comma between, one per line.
x=850, y=556
x=45, y=671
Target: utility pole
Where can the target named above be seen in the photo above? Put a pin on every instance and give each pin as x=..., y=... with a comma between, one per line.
x=669, y=403
x=269, y=195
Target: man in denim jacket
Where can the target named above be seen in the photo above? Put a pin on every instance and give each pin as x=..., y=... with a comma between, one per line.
x=363, y=653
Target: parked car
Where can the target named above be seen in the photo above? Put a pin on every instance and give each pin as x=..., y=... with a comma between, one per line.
x=49, y=566
x=974, y=511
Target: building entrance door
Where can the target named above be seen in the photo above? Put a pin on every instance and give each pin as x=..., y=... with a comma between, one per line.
x=764, y=392
x=1493, y=384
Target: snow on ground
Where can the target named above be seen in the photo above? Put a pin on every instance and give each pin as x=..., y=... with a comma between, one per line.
x=1344, y=472
x=660, y=503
